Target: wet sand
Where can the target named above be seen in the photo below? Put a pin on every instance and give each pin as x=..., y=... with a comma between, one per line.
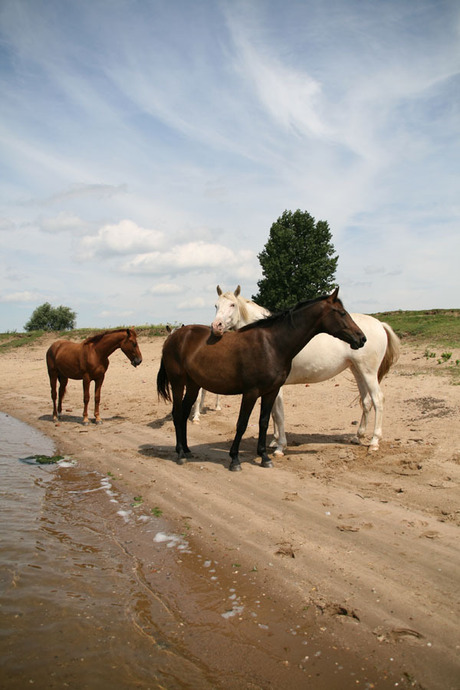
x=361, y=548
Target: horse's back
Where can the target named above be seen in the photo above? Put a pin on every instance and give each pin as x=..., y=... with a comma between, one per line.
x=325, y=356
x=64, y=356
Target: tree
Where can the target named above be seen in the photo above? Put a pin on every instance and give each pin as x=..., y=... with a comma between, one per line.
x=48, y=318
x=297, y=262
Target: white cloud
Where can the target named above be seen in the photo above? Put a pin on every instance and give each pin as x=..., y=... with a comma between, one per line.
x=7, y=225
x=25, y=296
x=193, y=303
x=63, y=222
x=188, y=257
x=165, y=289
x=124, y=238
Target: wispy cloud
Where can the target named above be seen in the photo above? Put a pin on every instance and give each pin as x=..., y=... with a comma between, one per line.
x=154, y=149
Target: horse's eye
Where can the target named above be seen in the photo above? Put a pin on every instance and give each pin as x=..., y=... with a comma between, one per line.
x=232, y=305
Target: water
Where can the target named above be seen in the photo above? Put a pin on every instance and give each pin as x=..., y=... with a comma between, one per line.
x=97, y=591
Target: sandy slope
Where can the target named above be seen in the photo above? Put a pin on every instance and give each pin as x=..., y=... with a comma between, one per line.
x=370, y=540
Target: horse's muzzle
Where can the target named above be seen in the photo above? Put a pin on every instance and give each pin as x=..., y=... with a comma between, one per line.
x=136, y=361
x=358, y=342
x=218, y=329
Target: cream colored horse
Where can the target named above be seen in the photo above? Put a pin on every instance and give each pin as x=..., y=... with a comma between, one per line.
x=322, y=358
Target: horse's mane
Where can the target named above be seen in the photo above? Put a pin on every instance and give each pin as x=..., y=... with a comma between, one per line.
x=98, y=336
x=284, y=314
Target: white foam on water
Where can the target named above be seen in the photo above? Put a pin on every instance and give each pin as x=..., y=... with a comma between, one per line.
x=171, y=541
x=125, y=514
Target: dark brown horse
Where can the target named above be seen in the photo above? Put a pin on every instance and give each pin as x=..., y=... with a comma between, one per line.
x=89, y=361
x=253, y=361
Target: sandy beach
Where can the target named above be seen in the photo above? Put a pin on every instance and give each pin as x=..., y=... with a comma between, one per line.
x=369, y=541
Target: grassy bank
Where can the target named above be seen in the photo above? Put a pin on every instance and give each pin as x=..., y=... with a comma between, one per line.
x=435, y=328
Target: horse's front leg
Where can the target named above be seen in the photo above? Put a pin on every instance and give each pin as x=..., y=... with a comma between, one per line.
x=86, y=385
x=247, y=405
x=266, y=405
x=97, y=399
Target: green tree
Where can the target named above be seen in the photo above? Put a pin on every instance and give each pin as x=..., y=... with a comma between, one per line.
x=48, y=318
x=298, y=261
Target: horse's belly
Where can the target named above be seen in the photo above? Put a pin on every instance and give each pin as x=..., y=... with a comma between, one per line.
x=321, y=359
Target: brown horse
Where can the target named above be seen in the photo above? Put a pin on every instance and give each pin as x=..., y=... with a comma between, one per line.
x=89, y=361
x=253, y=361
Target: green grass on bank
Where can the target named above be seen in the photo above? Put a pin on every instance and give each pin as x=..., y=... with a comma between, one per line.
x=12, y=339
x=432, y=327
x=437, y=327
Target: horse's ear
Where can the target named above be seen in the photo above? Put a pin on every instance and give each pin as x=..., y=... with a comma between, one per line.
x=335, y=294
x=219, y=291
x=237, y=291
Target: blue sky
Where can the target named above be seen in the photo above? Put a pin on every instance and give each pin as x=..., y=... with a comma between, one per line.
x=147, y=146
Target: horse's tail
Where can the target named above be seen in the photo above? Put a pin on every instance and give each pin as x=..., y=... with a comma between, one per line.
x=163, y=383
x=391, y=353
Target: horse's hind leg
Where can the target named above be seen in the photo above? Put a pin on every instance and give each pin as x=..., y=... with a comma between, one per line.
x=62, y=388
x=197, y=408
x=371, y=396
x=279, y=440
x=190, y=397
x=53, y=386
x=266, y=406
x=180, y=412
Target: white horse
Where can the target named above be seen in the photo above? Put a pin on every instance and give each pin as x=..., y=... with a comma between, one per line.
x=247, y=313
x=322, y=358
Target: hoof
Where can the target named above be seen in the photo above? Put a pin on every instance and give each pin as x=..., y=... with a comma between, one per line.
x=372, y=449
x=279, y=452
x=181, y=460
x=98, y=421
x=85, y=423
x=235, y=467
x=266, y=463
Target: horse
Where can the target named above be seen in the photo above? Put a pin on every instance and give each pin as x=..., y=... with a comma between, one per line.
x=253, y=361
x=322, y=358
x=247, y=313
x=89, y=361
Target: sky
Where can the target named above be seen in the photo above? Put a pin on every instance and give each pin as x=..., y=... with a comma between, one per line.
x=147, y=146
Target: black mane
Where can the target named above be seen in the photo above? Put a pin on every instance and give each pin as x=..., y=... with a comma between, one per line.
x=284, y=314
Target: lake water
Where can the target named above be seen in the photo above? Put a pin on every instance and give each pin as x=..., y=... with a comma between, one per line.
x=95, y=591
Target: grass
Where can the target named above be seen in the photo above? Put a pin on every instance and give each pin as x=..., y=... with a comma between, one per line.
x=439, y=328
x=11, y=339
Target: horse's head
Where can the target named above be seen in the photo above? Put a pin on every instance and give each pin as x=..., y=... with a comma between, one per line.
x=227, y=311
x=130, y=347
x=338, y=322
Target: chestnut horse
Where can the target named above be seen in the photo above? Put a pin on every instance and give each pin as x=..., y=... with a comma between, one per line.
x=89, y=361
x=254, y=361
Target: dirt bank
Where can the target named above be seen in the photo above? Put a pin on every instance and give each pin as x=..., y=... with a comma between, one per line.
x=368, y=540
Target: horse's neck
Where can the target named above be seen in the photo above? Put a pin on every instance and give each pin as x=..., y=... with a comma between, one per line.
x=299, y=327
x=248, y=312
x=109, y=343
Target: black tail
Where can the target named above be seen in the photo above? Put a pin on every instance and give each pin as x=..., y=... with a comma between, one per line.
x=163, y=383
